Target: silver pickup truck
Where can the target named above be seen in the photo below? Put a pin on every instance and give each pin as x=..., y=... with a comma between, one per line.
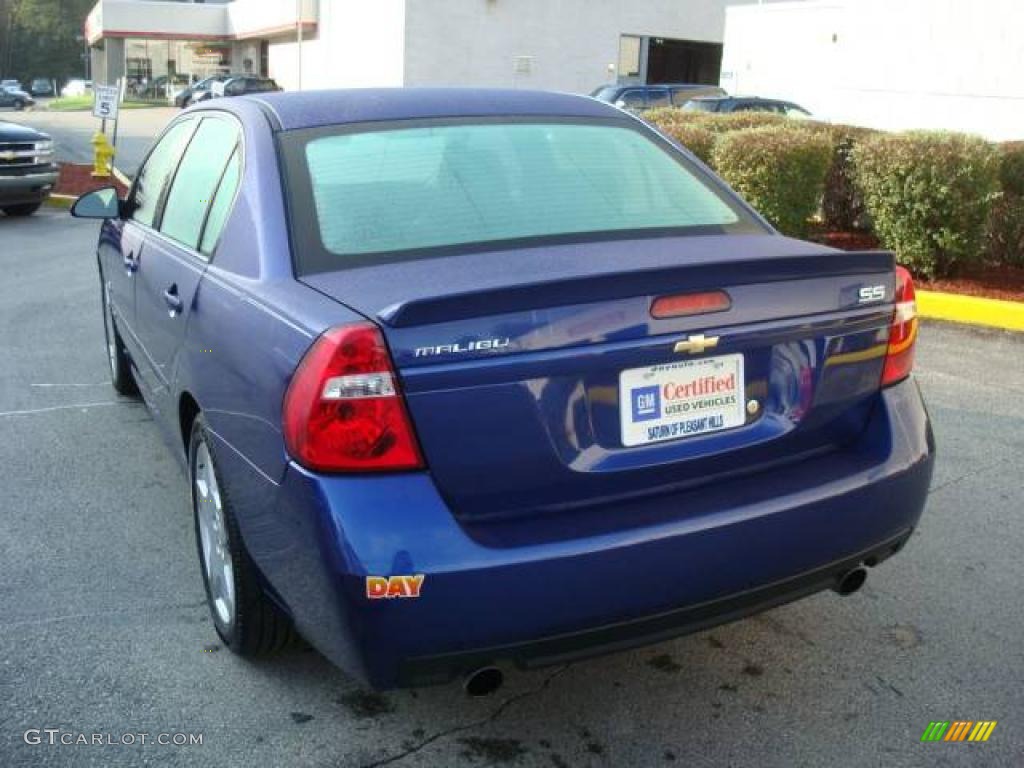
x=27, y=171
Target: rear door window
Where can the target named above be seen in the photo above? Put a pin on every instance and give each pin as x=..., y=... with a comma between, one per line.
x=196, y=180
x=222, y=203
x=152, y=179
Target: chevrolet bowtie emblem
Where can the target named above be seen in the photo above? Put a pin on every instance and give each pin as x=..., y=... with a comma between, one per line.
x=696, y=344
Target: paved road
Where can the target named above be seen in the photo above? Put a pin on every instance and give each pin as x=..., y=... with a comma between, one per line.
x=103, y=626
x=73, y=131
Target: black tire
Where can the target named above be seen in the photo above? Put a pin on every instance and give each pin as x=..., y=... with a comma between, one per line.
x=121, y=377
x=21, y=209
x=256, y=626
x=19, y=105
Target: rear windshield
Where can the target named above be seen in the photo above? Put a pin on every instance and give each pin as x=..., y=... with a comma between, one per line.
x=414, y=190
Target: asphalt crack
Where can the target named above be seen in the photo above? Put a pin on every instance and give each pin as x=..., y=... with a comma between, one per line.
x=968, y=476
x=498, y=712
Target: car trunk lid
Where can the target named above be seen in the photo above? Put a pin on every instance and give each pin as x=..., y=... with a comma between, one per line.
x=526, y=371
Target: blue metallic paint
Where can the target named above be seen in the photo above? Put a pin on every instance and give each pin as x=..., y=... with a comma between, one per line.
x=553, y=528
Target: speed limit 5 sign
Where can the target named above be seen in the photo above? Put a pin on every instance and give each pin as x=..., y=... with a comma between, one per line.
x=105, y=102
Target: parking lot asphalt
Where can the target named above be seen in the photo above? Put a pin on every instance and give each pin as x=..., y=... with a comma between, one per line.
x=104, y=628
x=72, y=133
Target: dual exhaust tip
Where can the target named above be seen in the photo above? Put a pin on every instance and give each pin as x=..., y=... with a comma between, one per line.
x=851, y=581
x=483, y=682
x=487, y=680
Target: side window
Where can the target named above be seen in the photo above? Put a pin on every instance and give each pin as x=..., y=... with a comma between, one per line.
x=196, y=181
x=632, y=100
x=657, y=98
x=222, y=203
x=680, y=96
x=158, y=167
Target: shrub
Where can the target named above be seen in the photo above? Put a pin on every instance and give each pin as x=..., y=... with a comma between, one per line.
x=929, y=195
x=663, y=117
x=741, y=121
x=779, y=169
x=1005, y=233
x=842, y=206
x=698, y=140
x=1011, y=168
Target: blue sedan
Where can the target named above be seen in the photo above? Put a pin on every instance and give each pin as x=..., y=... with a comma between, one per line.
x=464, y=378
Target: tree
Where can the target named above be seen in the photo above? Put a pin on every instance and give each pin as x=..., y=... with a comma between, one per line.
x=42, y=38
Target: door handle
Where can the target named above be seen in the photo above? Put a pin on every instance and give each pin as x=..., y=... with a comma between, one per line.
x=130, y=262
x=172, y=300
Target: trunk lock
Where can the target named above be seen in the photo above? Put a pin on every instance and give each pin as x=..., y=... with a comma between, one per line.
x=753, y=407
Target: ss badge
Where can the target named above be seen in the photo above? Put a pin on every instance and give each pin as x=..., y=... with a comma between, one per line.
x=870, y=293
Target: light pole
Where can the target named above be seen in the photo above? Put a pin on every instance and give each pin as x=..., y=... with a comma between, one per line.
x=298, y=27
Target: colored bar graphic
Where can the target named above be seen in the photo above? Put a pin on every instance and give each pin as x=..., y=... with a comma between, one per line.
x=983, y=730
x=959, y=730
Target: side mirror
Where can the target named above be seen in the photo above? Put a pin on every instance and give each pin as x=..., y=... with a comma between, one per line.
x=98, y=204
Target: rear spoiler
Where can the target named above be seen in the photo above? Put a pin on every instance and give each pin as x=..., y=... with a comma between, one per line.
x=649, y=282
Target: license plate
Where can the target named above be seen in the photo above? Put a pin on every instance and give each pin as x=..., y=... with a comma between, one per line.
x=681, y=399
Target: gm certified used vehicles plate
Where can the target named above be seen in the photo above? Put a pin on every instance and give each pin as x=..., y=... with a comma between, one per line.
x=467, y=377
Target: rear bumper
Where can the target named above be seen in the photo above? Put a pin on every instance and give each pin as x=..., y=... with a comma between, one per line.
x=541, y=591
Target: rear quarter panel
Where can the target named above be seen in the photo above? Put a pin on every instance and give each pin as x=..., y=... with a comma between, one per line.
x=251, y=324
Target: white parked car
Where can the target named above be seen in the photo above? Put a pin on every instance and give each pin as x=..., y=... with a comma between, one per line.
x=77, y=88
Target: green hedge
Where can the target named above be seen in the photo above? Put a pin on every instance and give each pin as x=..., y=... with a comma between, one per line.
x=1011, y=168
x=778, y=169
x=929, y=195
x=1004, y=240
x=842, y=205
x=668, y=118
x=698, y=140
x=1005, y=236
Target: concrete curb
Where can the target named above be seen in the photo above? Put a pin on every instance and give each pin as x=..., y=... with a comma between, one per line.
x=121, y=176
x=59, y=201
x=1008, y=315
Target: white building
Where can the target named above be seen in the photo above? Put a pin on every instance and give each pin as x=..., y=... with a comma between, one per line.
x=570, y=45
x=891, y=64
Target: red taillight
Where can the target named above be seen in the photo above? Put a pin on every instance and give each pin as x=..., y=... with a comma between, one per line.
x=343, y=411
x=685, y=304
x=899, y=358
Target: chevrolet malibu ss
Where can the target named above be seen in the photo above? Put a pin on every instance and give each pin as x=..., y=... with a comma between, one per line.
x=469, y=378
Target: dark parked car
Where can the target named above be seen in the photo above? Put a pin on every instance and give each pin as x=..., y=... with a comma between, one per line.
x=638, y=98
x=161, y=87
x=41, y=87
x=27, y=172
x=10, y=96
x=246, y=84
x=726, y=104
x=199, y=91
x=463, y=377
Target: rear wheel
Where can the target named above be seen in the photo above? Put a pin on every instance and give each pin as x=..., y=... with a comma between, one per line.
x=120, y=368
x=245, y=618
x=19, y=105
x=22, y=209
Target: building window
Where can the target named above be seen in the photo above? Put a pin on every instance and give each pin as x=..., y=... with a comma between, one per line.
x=629, y=56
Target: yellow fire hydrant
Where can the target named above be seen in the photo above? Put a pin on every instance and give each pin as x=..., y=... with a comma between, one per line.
x=103, y=156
